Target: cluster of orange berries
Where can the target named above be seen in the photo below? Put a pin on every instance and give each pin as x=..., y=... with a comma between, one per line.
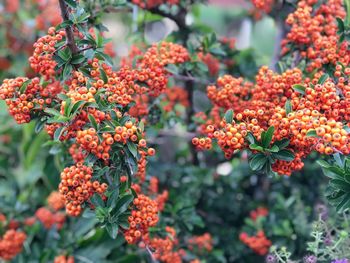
x=229, y=92
x=22, y=103
x=50, y=219
x=148, y=4
x=64, y=259
x=89, y=141
x=126, y=132
x=201, y=243
x=143, y=216
x=165, y=248
x=258, y=243
x=11, y=244
x=152, y=66
x=42, y=59
x=76, y=187
x=323, y=108
x=55, y=201
x=314, y=33
x=175, y=95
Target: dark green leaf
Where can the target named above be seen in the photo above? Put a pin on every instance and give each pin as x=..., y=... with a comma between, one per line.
x=93, y=122
x=123, y=204
x=288, y=107
x=258, y=161
x=229, y=116
x=24, y=86
x=299, y=88
x=266, y=137
x=323, y=78
x=285, y=155
x=112, y=230
x=57, y=135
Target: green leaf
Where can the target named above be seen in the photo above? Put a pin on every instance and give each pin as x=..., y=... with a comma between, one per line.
x=274, y=149
x=103, y=76
x=341, y=185
x=132, y=148
x=75, y=107
x=311, y=133
x=71, y=3
x=59, y=131
x=24, y=86
x=251, y=138
x=112, y=230
x=52, y=112
x=64, y=25
x=299, y=88
x=288, y=107
x=78, y=59
x=229, y=116
x=258, y=161
x=96, y=200
x=284, y=155
x=256, y=147
x=282, y=143
x=266, y=137
x=323, y=164
x=323, y=78
x=123, y=204
x=65, y=54
x=341, y=26
x=93, y=122
x=112, y=198
x=344, y=204
x=67, y=70
x=39, y=125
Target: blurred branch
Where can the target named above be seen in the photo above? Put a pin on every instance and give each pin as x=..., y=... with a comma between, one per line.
x=190, y=78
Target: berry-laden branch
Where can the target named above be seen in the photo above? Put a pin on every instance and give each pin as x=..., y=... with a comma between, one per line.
x=69, y=32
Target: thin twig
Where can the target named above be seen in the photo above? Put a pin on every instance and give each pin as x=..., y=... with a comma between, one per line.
x=151, y=255
x=85, y=48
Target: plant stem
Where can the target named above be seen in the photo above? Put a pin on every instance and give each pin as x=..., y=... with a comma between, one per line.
x=69, y=32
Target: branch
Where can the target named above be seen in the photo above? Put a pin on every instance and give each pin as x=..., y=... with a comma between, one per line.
x=179, y=19
x=190, y=78
x=69, y=32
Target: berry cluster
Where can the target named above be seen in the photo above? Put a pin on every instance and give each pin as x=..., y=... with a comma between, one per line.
x=258, y=243
x=76, y=187
x=201, y=243
x=314, y=33
x=55, y=201
x=25, y=96
x=174, y=96
x=50, y=219
x=165, y=248
x=143, y=216
x=11, y=244
x=41, y=61
x=322, y=107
